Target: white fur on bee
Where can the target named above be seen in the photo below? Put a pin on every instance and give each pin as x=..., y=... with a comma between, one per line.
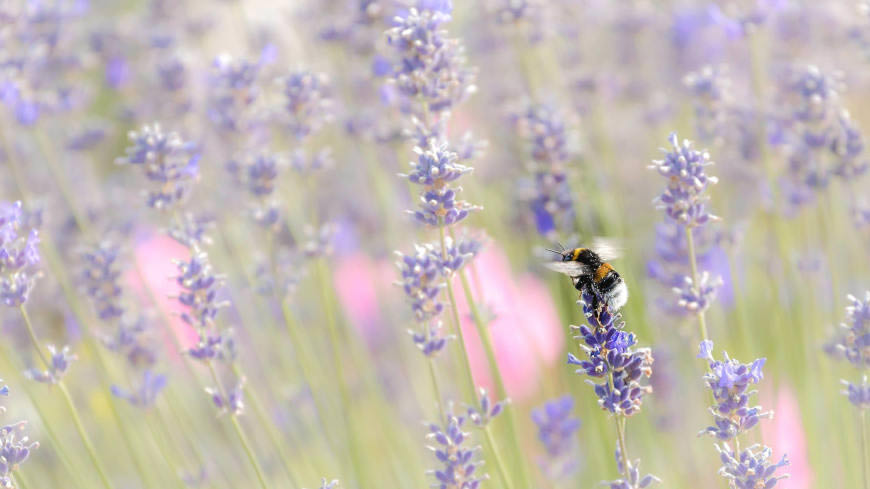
x=616, y=297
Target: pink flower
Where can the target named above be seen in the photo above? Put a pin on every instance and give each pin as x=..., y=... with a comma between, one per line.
x=785, y=434
x=151, y=280
x=526, y=333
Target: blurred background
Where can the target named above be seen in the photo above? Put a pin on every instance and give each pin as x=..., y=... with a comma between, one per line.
x=225, y=274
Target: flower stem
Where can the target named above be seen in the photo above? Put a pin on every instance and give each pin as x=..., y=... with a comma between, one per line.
x=436, y=390
x=335, y=341
x=499, y=463
x=68, y=399
x=238, y=427
x=620, y=434
x=864, y=467
x=690, y=244
x=483, y=332
x=465, y=365
x=267, y=424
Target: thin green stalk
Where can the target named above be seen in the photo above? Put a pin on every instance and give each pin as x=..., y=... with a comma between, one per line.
x=620, y=439
x=162, y=444
x=499, y=463
x=69, y=402
x=620, y=435
x=436, y=390
x=465, y=366
x=260, y=413
x=335, y=341
x=50, y=159
x=261, y=478
x=483, y=332
x=690, y=243
x=864, y=466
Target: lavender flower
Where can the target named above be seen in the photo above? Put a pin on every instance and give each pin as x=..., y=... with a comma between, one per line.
x=430, y=67
x=852, y=343
x=683, y=199
x=550, y=197
x=729, y=380
x=130, y=338
x=750, y=468
x=820, y=140
x=259, y=175
x=19, y=256
x=450, y=448
x=436, y=167
x=430, y=341
x=14, y=451
x=612, y=358
x=420, y=280
x=324, y=484
x=556, y=431
x=168, y=162
x=710, y=87
x=486, y=410
x=231, y=402
x=233, y=93
x=60, y=363
x=146, y=394
x=100, y=279
x=634, y=481
x=307, y=102
x=697, y=298
x=200, y=286
x=191, y=230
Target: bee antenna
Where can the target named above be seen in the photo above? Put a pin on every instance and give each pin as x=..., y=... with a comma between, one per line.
x=561, y=246
x=553, y=251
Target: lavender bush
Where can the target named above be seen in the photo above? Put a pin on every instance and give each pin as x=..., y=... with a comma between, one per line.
x=201, y=201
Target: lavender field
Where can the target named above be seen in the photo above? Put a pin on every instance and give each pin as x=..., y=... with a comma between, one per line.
x=308, y=244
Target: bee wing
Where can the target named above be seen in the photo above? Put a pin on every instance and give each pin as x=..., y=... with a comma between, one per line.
x=607, y=248
x=570, y=268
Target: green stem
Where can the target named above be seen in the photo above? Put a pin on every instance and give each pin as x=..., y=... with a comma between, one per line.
x=69, y=402
x=457, y=325
x=50, y=159
x=499, y=463
x=335, y=341
x=483, y=332
x=864, y=467
x=436, y=390
x=238, y=427
x=620, y=439
x=690, y=243
x=260, y=413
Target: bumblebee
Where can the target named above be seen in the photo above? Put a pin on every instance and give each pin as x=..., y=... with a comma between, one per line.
x=590, y=272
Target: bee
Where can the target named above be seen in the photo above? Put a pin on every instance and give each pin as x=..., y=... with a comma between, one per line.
x=590, y=272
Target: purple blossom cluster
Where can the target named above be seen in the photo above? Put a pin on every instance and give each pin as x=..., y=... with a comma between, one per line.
x=634, y=479
x=59, y=363
x=430, y=68
x=422, y=278
x=852, y=343
x=730, y=381
x=450, y=446
x=169, y=163
x=549, y=194
x=436, y=168
x=557, y=429
x=820, y=139
x=15, y=448
x=19, y=255
x=683, y=200
x=612, y=360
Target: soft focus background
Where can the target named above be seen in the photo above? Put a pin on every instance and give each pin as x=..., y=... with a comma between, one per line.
x=279, y=172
